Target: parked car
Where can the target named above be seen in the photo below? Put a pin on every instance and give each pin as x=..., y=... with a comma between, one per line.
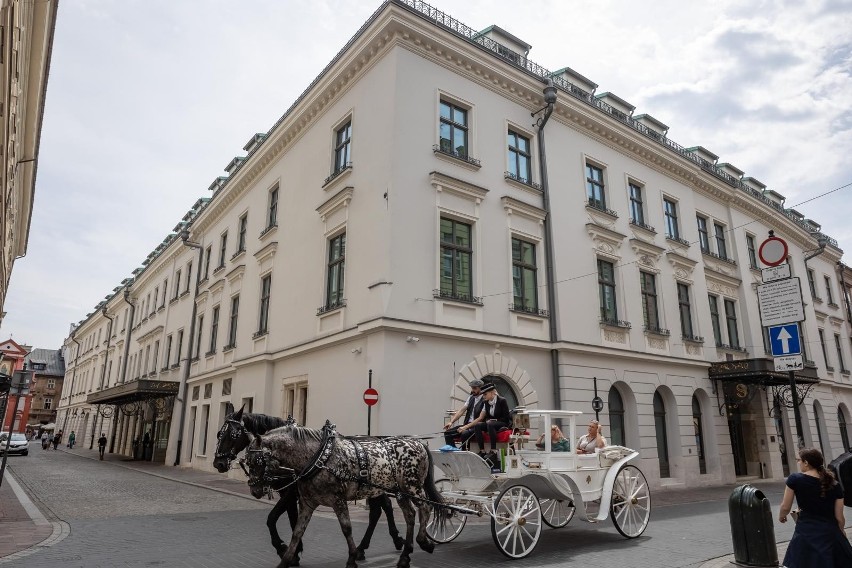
x=17, y=445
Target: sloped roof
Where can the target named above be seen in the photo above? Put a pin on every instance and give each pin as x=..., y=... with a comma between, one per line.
x=55, y=365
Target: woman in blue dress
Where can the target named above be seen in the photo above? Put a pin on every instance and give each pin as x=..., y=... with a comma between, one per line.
x=819, y=540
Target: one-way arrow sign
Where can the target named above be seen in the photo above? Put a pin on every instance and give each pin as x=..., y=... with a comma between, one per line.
x=784, y=340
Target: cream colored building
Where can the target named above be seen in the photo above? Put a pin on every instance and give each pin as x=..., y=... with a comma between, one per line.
x=394, y=224
x=26, y=41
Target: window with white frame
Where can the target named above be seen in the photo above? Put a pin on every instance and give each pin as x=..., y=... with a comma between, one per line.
x=715, y=320
x=650, y=302
x=524, y=280
x=48, y=403
x=731, y=322
x=721, y=245
x=685, y=311
x=670, y=213
x=335, y=271
x=296, y=401
x=272, y=209
x=265, y=296
x=214, y=330
x=343, y=148
x=232, y=323
x=606, y=292
x=453, y=130
x=829, y=296
x=223, y=249
x=637, y=204
x=752, y=251
x=241, y=233
x=703, y=236
x=595, y=189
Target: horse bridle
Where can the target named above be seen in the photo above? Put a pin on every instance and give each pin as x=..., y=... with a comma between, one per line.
x=236, y=433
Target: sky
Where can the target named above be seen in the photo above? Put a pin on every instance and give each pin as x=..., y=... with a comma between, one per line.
x=148, y=101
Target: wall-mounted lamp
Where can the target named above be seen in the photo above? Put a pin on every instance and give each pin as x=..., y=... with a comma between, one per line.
x=356, y=350
x=412, y=339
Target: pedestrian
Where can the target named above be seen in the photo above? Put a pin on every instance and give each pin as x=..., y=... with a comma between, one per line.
x=45, y=440
x=102, y=442
x=819, y=539
x=56, y=439
x=71, y=439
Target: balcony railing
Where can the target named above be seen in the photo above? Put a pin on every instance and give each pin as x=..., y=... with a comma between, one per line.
x=456, y=297
x=693, y=338
x=529, y=310
x=337, y=172
x=642, y=225
x=684, y=242
x=730, y=347
x=597, y=206
x=331, y=306
x=525, y=181
x=615, y=323
x=712, y=254
x=652, y=329
x=463, y=156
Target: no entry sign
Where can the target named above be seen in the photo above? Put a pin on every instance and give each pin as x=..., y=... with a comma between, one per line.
x=773, y=251
x=371, y=397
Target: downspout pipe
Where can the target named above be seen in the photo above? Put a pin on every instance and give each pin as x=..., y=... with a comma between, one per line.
x=73, y=379
x=842, y=268
x=128, y=324
x=541, y=122
x=103, y=375
x=184, y=235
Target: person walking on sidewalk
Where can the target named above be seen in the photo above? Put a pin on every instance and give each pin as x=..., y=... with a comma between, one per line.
x=45, y=440
x=71, y=439
x=819, y=540
x=56, y=439
x=102, y=441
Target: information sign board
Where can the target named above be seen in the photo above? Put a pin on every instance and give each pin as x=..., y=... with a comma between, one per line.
x=789, y=363
x=774, y=273
x=780, y=302
x=785, y=340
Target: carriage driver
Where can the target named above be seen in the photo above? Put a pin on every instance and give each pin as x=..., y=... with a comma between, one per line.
x=493, y=417
x=470, y=410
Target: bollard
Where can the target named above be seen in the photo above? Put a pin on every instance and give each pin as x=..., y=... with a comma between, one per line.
x=752, y=528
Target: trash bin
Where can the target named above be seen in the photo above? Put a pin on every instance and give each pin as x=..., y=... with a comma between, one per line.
x=841, y=466
x=752, y=527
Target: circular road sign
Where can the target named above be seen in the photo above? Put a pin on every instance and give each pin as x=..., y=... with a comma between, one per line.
x=371, y=396
x=597, y=404
x=773, y=251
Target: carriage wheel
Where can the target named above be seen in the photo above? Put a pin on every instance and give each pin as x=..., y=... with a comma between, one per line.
x=557, y=513
x=453, y=520
x=516, y=523
x=631, y=502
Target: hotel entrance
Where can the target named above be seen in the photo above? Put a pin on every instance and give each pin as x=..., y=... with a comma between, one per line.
x=751, y=395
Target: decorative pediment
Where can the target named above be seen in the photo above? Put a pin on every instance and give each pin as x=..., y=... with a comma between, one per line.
x=145, y=337
x=335, y=203
x=266, y=252
x=236, y=274
x=217, y=286
x=513, y=206
x=683, y=266
x=721, y=267
x=606, y=241
x=443, y=182
x=647, y=254
x=722, y=284
x=836, y=322
x=602, y=218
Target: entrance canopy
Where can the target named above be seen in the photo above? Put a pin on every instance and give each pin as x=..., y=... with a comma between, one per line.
x=134, y=391
x=759, y=372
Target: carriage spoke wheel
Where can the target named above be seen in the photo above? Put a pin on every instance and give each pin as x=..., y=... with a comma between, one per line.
x=453, y=521
x=516, y=522
x=556, y=513
x=631, y=502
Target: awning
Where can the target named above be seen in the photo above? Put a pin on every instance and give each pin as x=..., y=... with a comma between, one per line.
x=759, y=372
x=134, y=391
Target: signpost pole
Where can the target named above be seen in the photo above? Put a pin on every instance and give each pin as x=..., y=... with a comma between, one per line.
x=370, y=406
x=800, y=440
x=597, y=412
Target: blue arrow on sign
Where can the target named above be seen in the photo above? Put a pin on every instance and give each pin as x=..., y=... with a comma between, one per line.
x=785, y=340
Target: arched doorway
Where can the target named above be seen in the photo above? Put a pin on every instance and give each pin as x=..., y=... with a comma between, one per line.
x=661, y=435
x=616, y=418
x=842, y=423
x=698, y=428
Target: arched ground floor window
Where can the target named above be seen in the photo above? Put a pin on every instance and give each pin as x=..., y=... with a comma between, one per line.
x=662, y=435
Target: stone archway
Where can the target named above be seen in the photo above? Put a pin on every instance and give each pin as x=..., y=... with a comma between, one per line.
x=495, y=363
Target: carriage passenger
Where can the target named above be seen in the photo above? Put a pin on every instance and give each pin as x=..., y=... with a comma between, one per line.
x=558, y=441
x=593, y=441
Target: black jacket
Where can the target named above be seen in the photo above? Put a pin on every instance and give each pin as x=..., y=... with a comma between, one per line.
x=500, y=410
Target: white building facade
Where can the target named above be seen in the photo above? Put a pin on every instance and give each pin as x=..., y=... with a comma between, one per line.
x=393, y=228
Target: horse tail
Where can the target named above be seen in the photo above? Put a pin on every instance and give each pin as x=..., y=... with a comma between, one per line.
x=437, y=500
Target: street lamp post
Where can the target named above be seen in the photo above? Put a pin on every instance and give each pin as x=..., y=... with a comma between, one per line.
x=22, y=389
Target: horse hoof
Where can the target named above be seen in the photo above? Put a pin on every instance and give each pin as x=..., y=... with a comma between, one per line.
x=427, y=546
x=295, y=561
x=359, y=554
x=398, y=542
x=404, y=562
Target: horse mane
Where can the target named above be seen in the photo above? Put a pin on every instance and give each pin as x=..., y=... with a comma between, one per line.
x=300, y=433
x=262, y=423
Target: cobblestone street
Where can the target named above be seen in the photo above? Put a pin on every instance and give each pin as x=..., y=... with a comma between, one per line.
x=119, y=516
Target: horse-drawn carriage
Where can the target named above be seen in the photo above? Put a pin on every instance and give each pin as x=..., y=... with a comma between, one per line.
x=540, y=486
x=320, y=467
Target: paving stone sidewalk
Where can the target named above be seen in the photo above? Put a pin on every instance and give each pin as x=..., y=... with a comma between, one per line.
x=18, y=531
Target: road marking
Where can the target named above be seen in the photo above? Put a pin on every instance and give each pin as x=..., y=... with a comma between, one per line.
x=24, y=499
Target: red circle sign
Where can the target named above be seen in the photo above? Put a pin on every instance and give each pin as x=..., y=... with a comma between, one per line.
x=371, y=396
x=773, y=251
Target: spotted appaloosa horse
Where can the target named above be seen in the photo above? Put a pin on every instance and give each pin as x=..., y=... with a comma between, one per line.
x=329, y=472
x=233, y=438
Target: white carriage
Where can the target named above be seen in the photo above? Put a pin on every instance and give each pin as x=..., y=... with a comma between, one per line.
x=541, y=486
